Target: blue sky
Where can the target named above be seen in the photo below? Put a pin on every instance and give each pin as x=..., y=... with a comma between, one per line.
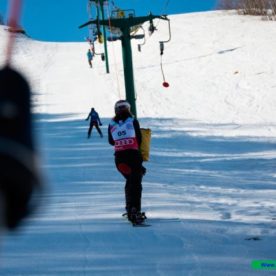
x=58, y=20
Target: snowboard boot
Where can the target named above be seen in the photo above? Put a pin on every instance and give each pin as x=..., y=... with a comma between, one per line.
x=136, y=217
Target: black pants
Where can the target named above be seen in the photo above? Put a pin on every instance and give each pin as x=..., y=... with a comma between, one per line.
x=96, y=126
x=129, y=164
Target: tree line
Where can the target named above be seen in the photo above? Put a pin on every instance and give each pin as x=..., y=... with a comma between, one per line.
x=266, y=8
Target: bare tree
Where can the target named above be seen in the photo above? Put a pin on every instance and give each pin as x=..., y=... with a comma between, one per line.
x=273, y=9
x=266, y=8
x=226, y=4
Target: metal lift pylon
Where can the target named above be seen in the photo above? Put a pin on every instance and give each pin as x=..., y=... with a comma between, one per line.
x=125, y=24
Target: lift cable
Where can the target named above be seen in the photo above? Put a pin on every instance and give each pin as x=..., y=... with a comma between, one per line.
x=113, y=50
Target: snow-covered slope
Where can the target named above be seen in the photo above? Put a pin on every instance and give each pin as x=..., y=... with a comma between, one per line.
x=210, y=199
x=220, y=66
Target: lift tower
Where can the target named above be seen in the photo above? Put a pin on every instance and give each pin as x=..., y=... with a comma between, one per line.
x=100, y=3
x=125, y=24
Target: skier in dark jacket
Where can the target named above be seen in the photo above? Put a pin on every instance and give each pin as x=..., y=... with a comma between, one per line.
x=89, y=57
x=94, y=121
x=125, y=135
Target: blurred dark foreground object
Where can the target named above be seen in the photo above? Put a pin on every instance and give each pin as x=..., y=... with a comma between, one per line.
x=19, y=176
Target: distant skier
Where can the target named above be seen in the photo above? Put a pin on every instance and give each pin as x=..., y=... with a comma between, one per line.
x=94, y=121
x=125, y=135
x=90, y=55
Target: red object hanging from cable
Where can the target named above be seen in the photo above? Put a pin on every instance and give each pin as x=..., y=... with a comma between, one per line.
x=166, y=84
x=161, y=44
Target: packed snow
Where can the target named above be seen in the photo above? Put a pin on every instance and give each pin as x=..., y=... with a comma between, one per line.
x=209, y=191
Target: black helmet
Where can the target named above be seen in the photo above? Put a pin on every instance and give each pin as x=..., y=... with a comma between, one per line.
x=122, y=105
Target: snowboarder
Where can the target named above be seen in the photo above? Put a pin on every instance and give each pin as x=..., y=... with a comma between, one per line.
x=89, y=57
x=125, y=135
x=94, y=121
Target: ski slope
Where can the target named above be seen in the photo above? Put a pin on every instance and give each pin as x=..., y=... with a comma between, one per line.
x=209, y=191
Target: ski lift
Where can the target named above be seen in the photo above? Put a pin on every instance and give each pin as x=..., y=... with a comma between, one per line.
x=152, y=28
x=100, y=38
x=169, y=39
x=117, y=13
x=94, y=31
x=162, y=48
x=141, y=44
x=120, y=13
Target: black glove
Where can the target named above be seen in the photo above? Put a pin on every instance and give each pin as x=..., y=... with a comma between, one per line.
x=144, y=170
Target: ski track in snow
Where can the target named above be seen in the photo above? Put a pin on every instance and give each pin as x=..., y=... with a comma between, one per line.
x=201, y=210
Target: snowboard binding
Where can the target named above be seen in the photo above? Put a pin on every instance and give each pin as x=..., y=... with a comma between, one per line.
x=135, y=217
